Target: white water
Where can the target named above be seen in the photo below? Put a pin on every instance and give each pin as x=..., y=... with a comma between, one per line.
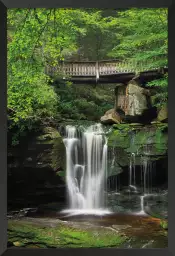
x=146, y=179
x=132, y=175
x=147, y=172
x=142, y=211
x=86, y=171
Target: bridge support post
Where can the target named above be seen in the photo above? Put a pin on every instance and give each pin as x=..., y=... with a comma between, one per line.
x=116, y=98
x=97, y=71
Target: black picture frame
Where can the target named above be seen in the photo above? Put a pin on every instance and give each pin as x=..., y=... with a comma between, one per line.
x=4, y=5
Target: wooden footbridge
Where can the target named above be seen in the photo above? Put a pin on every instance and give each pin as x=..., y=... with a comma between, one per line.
x=106, y=71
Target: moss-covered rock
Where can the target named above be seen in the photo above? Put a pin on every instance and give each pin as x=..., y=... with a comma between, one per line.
x=119, y=138
x=28, y=234
x=61, y=174
x=121, y=126
x=48, y=133
x=55, y=155
x=113, y=170
x=163, y=114
x=125, y=139
x=164, y=224
x=150, y=140
x=33, y=166
x=136, y=125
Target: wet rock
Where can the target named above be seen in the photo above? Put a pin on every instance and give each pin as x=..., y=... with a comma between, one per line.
x=149, y=244
x=155, y=122
x=29, y=159
x=120, y=227
x=157, y=204
x=158, y=210
x=138, y=125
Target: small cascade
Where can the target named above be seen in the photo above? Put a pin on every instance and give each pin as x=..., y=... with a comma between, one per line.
x=114, y=180
x=142, y=211
x=146, y=170
x=132, y=177
x=142, y=204
x=146, y=176
x=133, y=187
x=86, y=171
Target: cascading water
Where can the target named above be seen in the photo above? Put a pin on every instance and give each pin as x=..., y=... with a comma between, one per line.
x=87, y=176
x=146, y=178
x=132, y=174
x=86, y=172
x=113, y=180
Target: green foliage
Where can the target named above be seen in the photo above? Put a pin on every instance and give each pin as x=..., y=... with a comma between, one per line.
x=100, y=36
x=38, y=38
x=143, y=43
x=164, y=224
x=84, y=102
x=161, y=96
x=143, y=36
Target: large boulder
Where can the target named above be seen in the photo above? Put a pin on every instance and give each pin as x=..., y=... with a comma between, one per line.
x=163, y=114
x=111, y=117
x=137, y=99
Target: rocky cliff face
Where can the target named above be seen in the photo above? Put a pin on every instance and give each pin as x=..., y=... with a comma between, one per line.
x=138, y=166
x=148, y=143
x=35, y=169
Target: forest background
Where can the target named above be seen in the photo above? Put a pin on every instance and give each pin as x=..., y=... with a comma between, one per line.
x=40, y=37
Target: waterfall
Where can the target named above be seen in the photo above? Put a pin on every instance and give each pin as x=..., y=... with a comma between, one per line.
x=147, y=175
x=142, y=205
x=146, y=178
x=86, y=172
x=86, y=169
x=132, y=175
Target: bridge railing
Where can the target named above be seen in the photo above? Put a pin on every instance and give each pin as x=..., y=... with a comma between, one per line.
x=88, y=68
x=92, y=68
